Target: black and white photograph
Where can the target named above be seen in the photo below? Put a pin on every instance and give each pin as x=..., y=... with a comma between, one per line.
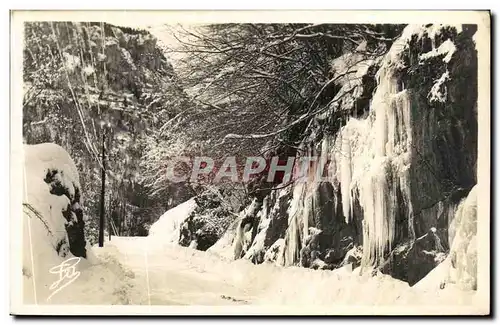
x=323, y=163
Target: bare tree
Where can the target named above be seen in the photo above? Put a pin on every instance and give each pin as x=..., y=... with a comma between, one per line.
x=254, y=88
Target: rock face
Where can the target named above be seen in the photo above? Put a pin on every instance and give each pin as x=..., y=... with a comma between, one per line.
x=400, y=163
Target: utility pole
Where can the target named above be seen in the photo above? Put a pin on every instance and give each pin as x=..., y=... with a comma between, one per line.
x=103, y=187
x=109, y=225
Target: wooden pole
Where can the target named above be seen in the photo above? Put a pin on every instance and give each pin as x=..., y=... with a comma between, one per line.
x=103, y=188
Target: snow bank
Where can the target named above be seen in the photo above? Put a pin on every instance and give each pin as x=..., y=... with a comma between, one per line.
x=51, y=197
x=166, y=229
x=235, y=241
x=306, y=287
x=101, y=280
x=463, y=252
x=224, y=246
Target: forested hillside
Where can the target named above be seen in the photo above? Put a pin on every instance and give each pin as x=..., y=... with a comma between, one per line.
x=89, y=85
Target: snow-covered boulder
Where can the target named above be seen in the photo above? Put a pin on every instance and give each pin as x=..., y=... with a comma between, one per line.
x=52, y=199
x=460, y=267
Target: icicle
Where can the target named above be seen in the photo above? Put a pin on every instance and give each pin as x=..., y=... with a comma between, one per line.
x=378, y=215
x=332, y=166
x=386, y=162
x=380, y=106
x=345, y=176
x=323, y=160
x=292, y=236
x=392, y=128
x=305, y=218
x=292, y=252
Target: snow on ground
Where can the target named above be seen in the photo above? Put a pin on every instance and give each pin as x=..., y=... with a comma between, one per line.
x=169, y=274
x=101, y=281
x=175, y=275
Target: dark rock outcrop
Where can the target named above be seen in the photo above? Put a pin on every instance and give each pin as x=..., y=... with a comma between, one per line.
x=73, y=213
x=412, y=261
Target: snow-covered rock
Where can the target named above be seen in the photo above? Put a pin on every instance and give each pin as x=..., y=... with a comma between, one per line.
x=52, y=200
x=53, y=237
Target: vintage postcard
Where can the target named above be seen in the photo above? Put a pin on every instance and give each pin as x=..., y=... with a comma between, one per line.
x=250, y=163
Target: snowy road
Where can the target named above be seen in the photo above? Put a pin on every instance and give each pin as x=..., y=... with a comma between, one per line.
x=170, y=275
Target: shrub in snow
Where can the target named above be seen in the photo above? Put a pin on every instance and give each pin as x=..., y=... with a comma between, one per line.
x=71, y=62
